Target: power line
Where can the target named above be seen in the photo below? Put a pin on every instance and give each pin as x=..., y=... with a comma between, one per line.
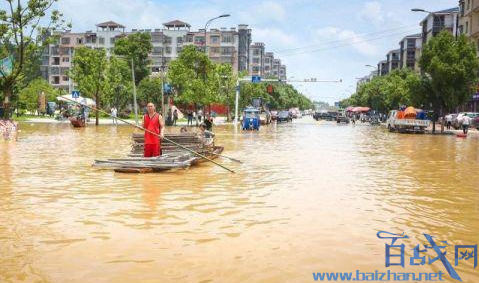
x=345, y=45
x=345, y=39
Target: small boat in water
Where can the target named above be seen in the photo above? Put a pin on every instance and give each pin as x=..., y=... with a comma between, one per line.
x=77, y=122
x=173, y=157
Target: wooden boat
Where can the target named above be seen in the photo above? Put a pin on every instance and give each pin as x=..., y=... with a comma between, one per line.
x=77, y=122
x=173, y=156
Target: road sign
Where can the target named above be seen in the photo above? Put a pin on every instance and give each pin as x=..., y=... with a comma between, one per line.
x=167, y=88
x=6, y=65
x=75, y=94
x=255, y=79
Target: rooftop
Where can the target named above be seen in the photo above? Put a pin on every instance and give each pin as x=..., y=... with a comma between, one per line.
x=110, y=24
x=177, y=24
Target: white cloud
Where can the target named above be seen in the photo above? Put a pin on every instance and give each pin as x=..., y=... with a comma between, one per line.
x=133, y=14
x=275, y=39
x=333, y=37
x=267, y=12
x=372, y=12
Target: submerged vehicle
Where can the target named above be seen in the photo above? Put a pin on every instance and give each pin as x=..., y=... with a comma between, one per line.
x=251, y=119
x=284, y=116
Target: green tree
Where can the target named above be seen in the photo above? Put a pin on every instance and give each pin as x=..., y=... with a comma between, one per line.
x=194, y=77
x=149, y=90
x=450, y=67
x=89, y=71
x=23, y=37
x=136, y=47
x=28, y=96
x=118, y=87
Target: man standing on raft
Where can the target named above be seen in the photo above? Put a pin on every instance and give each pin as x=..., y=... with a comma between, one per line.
x=153, y=122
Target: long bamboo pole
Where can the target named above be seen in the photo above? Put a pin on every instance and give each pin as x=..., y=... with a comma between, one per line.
x=146, y=130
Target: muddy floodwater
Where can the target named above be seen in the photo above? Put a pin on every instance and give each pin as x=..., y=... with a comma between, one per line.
x=309, y=197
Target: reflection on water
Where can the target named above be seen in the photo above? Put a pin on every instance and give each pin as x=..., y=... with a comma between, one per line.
x=309, y=197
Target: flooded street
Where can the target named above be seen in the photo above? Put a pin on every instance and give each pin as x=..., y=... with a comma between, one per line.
x=309, y=197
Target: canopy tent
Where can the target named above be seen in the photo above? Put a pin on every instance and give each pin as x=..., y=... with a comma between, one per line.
x=410, y=113
x=82, y=100
x=349, y=108
x=360, y=109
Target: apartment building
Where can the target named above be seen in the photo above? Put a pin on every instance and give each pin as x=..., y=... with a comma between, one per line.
x=282, y=72
x=256, y=59
x=393, y=59
x=232, y=46
x=410, y=51
x=469, y=26
x=268, y=64
x=383, y=68
x=56, y=59
x=276, y=67
x=438, y=21
x=469, y=20
x=244, y=43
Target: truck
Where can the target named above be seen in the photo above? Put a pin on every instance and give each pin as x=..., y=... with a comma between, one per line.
x=405, y=125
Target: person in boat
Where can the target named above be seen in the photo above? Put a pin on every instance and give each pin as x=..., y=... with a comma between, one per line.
x=208, y=123
x=206, y=136
x=153, y=122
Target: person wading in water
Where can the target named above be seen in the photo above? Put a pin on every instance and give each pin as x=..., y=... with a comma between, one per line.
x=153, y=122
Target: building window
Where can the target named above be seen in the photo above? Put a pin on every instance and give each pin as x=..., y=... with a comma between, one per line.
x=179, y=40
x=256, y=60
x=168, y=50
x=227, y=38
x=214, y=50
x=65, y=78
x=256, y=52
x=56, y=80
x=214, y=39
x=56, y=61
x=199, y=40
x=155, y=37
x=80, y=41
x=226, y=50
x=101, y=40
x=178, y=49
x=65, y=40
x=167, y=40
x=255, y=69
x=112, y=40
x=467, y=27
x=189, y=38
x=468, y=5
x=65, y=59
x=157, y=50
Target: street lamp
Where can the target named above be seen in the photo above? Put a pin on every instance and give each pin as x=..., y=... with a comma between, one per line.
x=209, y=22
x=428, y=12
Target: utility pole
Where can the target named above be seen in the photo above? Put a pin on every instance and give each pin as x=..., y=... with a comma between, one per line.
x=135, y=105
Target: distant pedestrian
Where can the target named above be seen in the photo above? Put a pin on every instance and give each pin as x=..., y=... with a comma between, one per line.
x=195, y=117
x=448, y=121
x=175, y=117
x=169, y=117
x=466, y=121
x=114, y=114
x=190, y=118
x=200, y=115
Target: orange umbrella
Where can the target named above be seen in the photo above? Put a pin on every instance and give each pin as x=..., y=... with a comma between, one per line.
x=410, y=113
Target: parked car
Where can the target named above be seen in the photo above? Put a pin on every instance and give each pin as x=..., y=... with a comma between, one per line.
x=284, y=116
x=342, y=119
x=475, y=123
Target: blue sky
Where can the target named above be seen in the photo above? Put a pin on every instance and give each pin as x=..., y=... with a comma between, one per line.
x=328, y=27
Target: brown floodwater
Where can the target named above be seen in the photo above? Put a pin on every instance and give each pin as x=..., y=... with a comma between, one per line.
x=308, y=197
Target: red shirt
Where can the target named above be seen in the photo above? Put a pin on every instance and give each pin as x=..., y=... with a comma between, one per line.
x=152, y=124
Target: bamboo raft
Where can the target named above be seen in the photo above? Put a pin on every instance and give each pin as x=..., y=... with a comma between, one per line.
x=172, y=156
